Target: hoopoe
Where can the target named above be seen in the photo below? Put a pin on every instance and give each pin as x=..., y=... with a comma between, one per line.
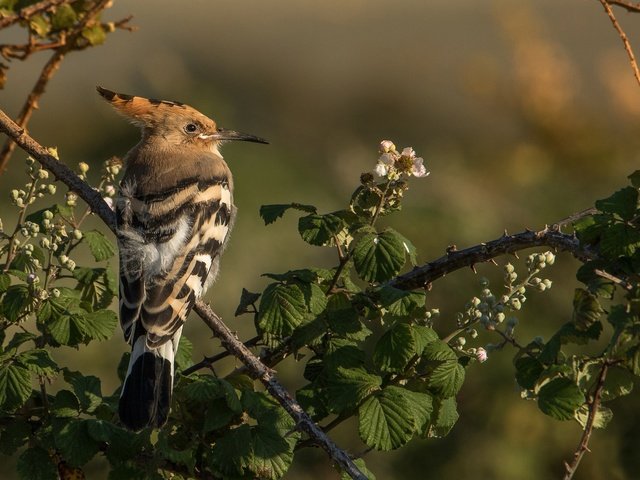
x=174, y=212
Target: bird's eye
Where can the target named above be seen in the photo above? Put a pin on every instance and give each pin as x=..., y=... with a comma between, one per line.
x=190, y=128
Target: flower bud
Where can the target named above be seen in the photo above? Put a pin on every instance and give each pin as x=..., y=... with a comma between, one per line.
x=51, y=188
x=550, y=258
x=83, y=167
x=481, y=355
x=77, y=234
x=43, y=174
x=63, y=259
x=387, y=146
x=55, y=292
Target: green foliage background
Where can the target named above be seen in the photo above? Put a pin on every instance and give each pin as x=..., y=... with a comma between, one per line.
x=522, y=118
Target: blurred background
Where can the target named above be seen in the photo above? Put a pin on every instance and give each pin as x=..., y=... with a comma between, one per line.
x=524, y=111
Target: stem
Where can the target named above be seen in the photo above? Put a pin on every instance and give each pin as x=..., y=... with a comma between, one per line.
x=583, y=446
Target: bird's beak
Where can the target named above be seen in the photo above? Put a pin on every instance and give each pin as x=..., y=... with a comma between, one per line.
x=222, y=135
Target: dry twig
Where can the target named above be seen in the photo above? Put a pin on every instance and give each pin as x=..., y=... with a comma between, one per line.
x=623, y=36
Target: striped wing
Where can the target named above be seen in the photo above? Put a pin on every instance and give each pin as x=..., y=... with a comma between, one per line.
x=169, y=248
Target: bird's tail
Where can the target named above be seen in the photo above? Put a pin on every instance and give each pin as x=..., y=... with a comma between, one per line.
x=145, y=399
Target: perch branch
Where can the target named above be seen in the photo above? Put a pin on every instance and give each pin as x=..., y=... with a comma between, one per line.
x=253, y=364
x=629, y=6
x=623, y=36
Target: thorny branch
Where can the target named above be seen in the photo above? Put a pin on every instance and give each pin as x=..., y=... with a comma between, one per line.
x=257, y=369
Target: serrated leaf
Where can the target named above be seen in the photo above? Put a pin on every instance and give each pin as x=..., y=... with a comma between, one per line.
x=385, y=419
x=446, y=373
x=345, y=353
x=282, y=309
x=395, y=348
x=635, y=178
x=63, y=17
x=401, y=303
x=348, y=387
x=423, y=336
x=99, y=325
x=38, y=361
x=620, y=239
x=624, y=203
x=36, y=464
x=101, y=248
x=528, y=370
x=586, y=309
x=74, y=442
x=271, y=453
x=270, y=213
x=560, y=398
x=15, y=385
x=422, y=409
x=320, y=230
x=20, y=338
x=312, y=401
x=97, y=286
x=444, y=417
x=378, y=257
x=602, y=417
x=15, y=302
x=310, y=333
x=247, y=299
x=619, y=382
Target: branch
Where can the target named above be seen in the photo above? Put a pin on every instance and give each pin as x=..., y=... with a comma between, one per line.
x=583, y=447
x=623, y=36
x=237, y=348
x=422, y=277
x=31, y=10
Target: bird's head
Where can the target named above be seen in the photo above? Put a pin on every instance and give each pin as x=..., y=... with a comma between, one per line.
x=175, y=122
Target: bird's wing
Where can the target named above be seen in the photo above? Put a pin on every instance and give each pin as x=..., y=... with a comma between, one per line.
x=169, y=246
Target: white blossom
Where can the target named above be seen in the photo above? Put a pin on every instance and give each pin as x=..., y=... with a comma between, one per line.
x=418, y=169
x=481, y=355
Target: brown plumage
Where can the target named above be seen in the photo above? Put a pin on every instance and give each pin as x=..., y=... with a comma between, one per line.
x=174, y=213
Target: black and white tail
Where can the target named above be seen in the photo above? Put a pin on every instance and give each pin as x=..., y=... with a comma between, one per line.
x=145, y=399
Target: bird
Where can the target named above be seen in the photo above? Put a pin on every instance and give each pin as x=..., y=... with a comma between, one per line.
x=174, y=212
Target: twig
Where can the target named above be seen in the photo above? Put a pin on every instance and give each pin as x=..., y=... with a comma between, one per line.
x=623, y=36
x=220, y=330
x=583, y=446
x=421, y=277
x=617, y=280
x=208, y=361
x=629, y=6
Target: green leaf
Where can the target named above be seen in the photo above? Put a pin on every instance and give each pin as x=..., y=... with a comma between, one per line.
x=422, y=410
x=271, y=453
x=560, y=398
x=15, y=385
x=395, y=348
x=99, y=325
x=247, y=299
x=343, y=319
x=402, y=303
x=20, y=338
x=586, y=309
x=423, y=336
x=65, y=404
x=74, y=442
x=348, y=387
x=624, y=203
x=87, y=389
x=411, y=250
x=270, y=213
x=444, y=417
x=320, y=230
x=5, y=281
x=38, y=361
x=15, y=302
x=446, y=373
x=63, y=17
x=97, y=286
x=343, y=353
x=95, y=34
x=101, y=248
x=282, y=309
x=601, y=420
x=620, y=239
x=230, y=454
x=36, y=464
x=185, y=351
x=39, y=25
x=528, y=370
x=378, y=257
x=385, y=420
x=310, y=333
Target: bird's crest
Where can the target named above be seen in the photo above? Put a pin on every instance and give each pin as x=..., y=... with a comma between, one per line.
x=144, y=111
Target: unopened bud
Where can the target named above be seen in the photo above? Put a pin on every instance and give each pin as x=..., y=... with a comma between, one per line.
x=83, y=167
x=77, y=234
